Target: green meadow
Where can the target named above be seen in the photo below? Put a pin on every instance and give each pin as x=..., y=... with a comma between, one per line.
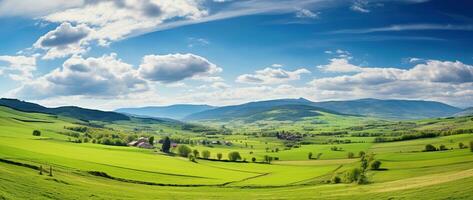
x=89, y=170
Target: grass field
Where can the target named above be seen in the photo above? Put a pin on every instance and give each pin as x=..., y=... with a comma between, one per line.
x=133, y=173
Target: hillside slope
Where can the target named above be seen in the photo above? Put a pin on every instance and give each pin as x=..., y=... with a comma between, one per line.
x=68, y=111
x=177, y=111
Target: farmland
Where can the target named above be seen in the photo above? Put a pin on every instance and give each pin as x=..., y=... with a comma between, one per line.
x=100, y=171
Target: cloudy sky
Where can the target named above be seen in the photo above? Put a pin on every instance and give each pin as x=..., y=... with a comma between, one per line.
x=109, y=54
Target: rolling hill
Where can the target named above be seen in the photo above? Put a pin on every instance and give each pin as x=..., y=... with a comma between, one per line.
x=68, y=111
x=465, y=112
x=388, y=109
x=178, y=111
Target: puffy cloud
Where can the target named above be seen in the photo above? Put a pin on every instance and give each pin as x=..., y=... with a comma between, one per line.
x=64, y=40
x=176, y=67
x=35, y=7
x=272, y=76
x=19, y=68
x=115, y=20
x=435, y=80
x=105, y=76
x=340, y=65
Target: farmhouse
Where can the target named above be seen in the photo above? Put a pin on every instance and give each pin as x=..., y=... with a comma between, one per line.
x=142, y=142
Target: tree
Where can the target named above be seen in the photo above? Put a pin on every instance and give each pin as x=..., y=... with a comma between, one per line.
x=310, y=155
x=442, y=147
x=253, y=159
x=361, y=154
x=352, y=175
x=375, y=165
x=191, y=158
x=219, y=156
x=336, y=179
x=430, y=147
x=234, y=156
x=196, y=153
x=268, y=159
x=183, y=150
x=36, y=133
x=461, y=145
x=471, y=146
x=206, y=154
x=166, y=145
x=151, y=140
x=351, y=155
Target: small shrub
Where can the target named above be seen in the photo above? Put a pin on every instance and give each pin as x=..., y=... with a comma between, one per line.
x=361, y=154
x=430, y=147
x=352, y=175
x=310, y=155
x=471, y=146
x=191, y=158
x=336, y=180
x=196, y=153
x=206, y=154
x=461, y=145
x=36, y=133
x=219, y=156
x=234, y=156
x=443, y=148
x=376, y=165
x=253, y=159
x=183, y=150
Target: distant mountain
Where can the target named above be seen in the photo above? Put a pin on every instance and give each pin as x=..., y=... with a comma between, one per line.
x=68, y=111
x=245, y=110
x=178, y=111
x=393, y=109
x=465, y=112
x=390, y=109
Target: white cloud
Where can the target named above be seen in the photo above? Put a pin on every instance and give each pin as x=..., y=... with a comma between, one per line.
x=407, y=27
x=339, y=65
x=277, y=65
x=305, y=13
x=434, y=80
x=176, y=67
x=35, y=8
x=105, y=76
x=360, y=6
x=272, y=76
x=64, y=40
x=115, y=20
x=18, y=68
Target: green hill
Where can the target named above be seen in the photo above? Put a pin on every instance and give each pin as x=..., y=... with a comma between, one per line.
x=68, y=111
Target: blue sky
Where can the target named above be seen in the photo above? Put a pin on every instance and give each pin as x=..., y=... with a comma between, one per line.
x=109, y=54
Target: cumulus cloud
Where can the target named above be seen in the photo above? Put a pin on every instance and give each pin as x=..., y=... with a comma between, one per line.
x=176, y=67
x=64, y=40
x=272, y=76
x=18, y=68
x=434, y=79
x=339, y=65
x=104, y=76
x=115, y=20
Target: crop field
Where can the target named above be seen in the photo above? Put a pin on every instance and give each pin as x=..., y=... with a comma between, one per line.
x=99, y=171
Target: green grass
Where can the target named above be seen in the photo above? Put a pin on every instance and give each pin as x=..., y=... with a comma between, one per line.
x=410, y=173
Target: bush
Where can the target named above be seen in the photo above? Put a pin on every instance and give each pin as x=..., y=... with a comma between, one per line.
x=351, y=155
x=234, y=156
x=443, y=148
x=191, y=158
x=352, y=175
x=36, y=133
x=461, y=145
x=430, y=147
x=310, y=155
x=253, y=159
x=196, y=153
x=206, y=154
x=376, y=165
x=268, y=159
x=361, y=154
x=471, y=146
x=336, y=179
x=183, y=150
x=219, y=156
